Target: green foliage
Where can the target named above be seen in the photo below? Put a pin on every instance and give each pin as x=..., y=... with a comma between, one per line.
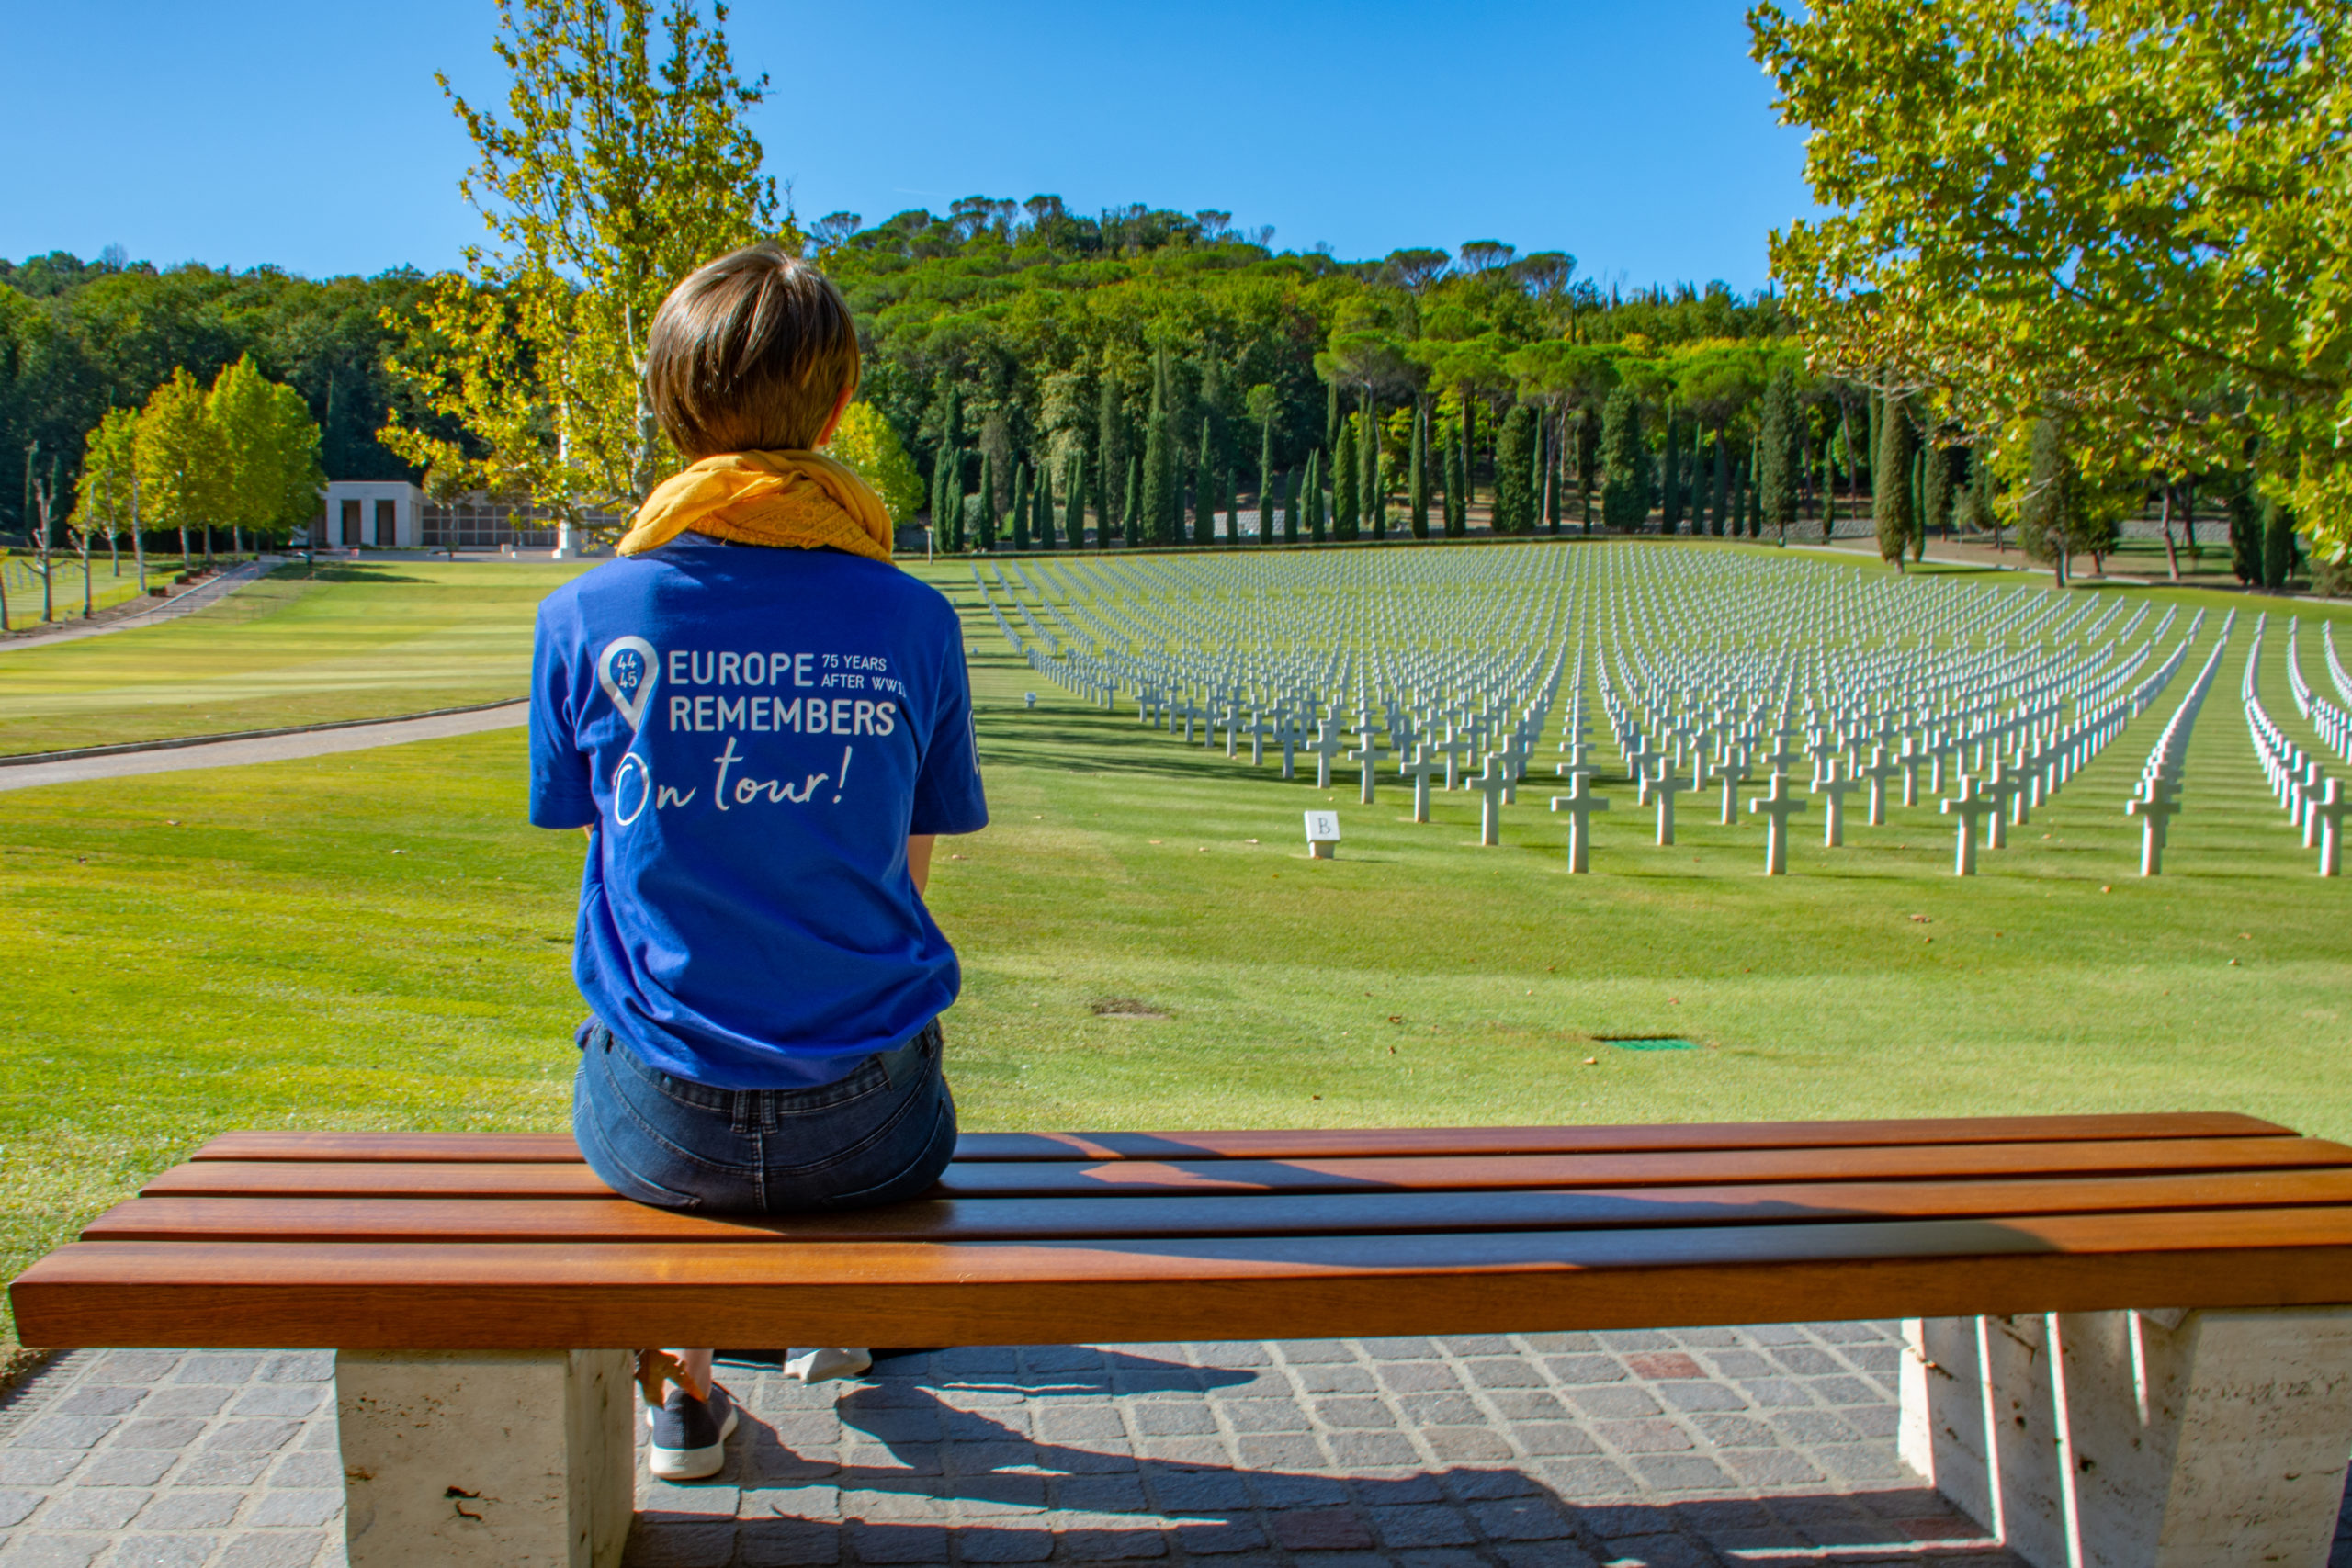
x=864, y=441
x=1514, y=458
x=1780, y=455
x=2277, y=543
x=1416, y=481
x=1162, y=505
x=984, y=536
x=1311, y=497
x=1624, y=478
x=1891, y=503
x=1204, y=490
x=1345, y=470
x=2248, y=534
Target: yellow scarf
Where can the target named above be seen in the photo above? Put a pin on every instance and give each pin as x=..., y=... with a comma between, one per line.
x=802, y=499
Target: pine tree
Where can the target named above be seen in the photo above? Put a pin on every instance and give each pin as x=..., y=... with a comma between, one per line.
x=2277, y=543
x=1345, y=469
x=1514, y=507
x=1021, y=506
x=1890, y=497
x=1267, y=481
x=1204, y=491
x=1131, y=516
x=1416, y=481
x=1624, y=492
x=1777, y=455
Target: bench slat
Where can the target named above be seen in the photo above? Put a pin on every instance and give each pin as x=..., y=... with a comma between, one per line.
x=1309, y=1142
x=974, y=1219
x=1237, y=1176
x=522, y=1295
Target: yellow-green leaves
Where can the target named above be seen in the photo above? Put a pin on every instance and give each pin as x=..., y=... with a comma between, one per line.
x=623, y=162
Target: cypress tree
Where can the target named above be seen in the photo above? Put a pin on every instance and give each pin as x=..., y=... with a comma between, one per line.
x=1021, y=507
x=2277, y=543
x=2245, y=535
x=1778, y=457
x=1110, y=447
x=1311, y=497
x=1891, y=499
x=1587, y=462
x=1204, y=491
x=1331, y=416
x=1716, y=524
x=1043, y=505
x=1344, y=469
x=1457, y=518
x=1669, y=478
x=1417, y=476
x=988, y=501
x=1936, y=493
x=1514, y=507
x=1555, y=430
x=1131, y=516
x=1288, y=485
x=1376, y=493
x=1232, y=477
x=1266, y=480
x=1161, y=506
x=1074, y=516
x=1920, y=502
x=947, y=508
x=1624, y=495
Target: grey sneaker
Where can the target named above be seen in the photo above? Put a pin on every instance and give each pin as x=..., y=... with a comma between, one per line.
x=690, y=1434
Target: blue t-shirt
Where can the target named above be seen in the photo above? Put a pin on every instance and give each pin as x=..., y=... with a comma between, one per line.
x=754, y=732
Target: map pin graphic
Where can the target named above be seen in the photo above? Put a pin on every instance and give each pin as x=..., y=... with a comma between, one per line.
x=628, y=669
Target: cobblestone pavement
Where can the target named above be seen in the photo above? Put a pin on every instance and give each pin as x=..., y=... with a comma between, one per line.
x=1696, y=1449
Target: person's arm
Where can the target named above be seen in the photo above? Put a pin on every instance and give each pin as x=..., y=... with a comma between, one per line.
x=919, y=858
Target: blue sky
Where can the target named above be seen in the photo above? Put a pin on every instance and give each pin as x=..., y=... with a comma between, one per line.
x=1639, y=138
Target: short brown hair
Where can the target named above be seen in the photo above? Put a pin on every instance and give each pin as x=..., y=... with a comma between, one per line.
x=748, y=354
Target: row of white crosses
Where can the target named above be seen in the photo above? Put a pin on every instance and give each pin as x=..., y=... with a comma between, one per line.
x=1905, y=707
x=1794, y=682
x=2313, y=803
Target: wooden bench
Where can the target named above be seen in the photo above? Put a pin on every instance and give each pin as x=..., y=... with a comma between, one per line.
x=2129, y=1342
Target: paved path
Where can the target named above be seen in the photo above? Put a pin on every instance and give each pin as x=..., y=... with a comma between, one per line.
x=263, y=748
x=1716, y=1448
x=211, y=591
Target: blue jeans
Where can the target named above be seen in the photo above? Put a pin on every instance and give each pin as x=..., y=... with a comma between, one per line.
x=880, y=1135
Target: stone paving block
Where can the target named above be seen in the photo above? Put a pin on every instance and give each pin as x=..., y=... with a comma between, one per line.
x=163, y=1552
x=15, y=1506
x=287, y=1548
x=198, y=1510
x=55, y=1550
x=94, y=1508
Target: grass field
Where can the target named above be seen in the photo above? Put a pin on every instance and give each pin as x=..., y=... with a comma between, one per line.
x=302, y=646
x=377, y=940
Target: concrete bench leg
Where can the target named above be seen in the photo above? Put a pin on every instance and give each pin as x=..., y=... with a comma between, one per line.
x=2138, y=1439
x=491, y=1459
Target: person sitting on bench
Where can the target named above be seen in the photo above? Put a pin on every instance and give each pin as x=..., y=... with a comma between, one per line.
x=761, y=724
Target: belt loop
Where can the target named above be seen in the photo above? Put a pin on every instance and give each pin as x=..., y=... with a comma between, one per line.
x=740, y=1103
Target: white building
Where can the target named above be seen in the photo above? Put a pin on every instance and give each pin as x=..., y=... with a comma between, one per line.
x=379, y=514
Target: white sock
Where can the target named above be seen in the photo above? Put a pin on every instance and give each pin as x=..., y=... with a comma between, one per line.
x=822, y=1364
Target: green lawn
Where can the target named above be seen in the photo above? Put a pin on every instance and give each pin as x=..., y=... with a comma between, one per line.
x=341, y=641
x=377, y=940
